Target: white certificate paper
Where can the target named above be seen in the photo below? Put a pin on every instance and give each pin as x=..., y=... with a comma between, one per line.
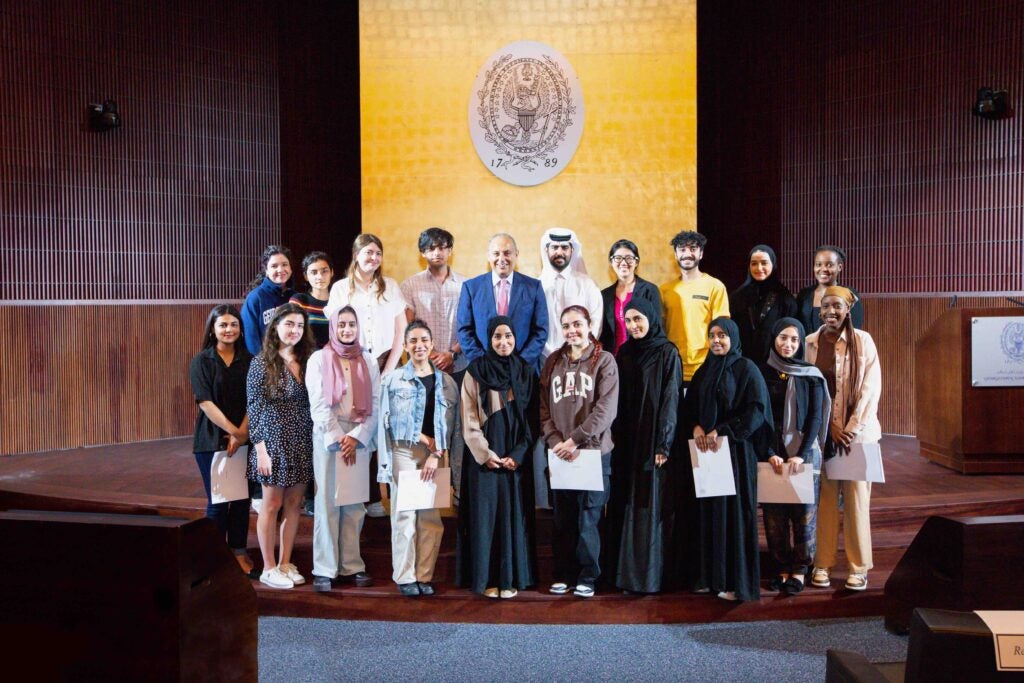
x=227, y=476
x=416, y=494
x=352, y=482
x=863, y=463
x=1008, y=635
x=582, y=474
x=789, y=487
x=712, y=470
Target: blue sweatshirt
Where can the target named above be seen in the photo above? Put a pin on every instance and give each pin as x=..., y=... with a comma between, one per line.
x=257, y=311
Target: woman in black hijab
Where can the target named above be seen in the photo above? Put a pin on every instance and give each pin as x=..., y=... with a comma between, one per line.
x=800, y=408
x=760, y=301
x=727, y=397
x=640, y=512
x=495, y=542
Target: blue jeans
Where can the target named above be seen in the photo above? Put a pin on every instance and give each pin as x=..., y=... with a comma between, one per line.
x=231, y=518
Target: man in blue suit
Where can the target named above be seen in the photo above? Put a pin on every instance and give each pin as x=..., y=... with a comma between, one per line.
x=503, y=292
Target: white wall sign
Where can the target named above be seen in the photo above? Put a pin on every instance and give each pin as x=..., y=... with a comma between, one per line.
x=997, y=351
x=526, y=113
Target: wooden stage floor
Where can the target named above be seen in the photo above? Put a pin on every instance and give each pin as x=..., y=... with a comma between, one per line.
x=160, y=477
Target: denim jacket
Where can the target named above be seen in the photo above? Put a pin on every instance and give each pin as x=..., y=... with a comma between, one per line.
x=403, y=401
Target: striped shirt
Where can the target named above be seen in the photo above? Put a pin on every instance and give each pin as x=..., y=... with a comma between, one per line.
x=318, y=322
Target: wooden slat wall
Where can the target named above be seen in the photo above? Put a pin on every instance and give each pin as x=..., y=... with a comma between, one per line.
x=881, y=155
x=179, y=202
x=896, y=324
x=88, y=375
x=849, y=122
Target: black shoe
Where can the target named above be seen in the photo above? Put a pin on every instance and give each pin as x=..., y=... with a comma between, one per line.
x=359, y=579
x=794, y=586
x=777, y=583
x=426, y=588
x=321, y=584
x=409, y=590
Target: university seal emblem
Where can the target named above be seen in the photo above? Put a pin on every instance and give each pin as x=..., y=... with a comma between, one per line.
x=526, y=113
x=1012, y=341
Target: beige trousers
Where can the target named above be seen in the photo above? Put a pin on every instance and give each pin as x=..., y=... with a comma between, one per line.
x=856, y=524
x=335, y=529
x=415, y=535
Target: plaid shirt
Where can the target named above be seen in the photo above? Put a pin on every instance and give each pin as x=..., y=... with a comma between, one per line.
x=436, y=304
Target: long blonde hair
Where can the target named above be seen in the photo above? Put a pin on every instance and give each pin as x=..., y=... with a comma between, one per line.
x=362, y=241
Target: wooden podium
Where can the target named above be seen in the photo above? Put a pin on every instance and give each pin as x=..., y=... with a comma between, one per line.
x=105, y=597
x=974, y=430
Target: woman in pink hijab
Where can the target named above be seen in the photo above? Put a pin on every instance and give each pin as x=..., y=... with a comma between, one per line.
x=343, y=383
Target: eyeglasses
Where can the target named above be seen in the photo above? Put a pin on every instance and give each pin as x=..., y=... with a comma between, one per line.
x=628, y=260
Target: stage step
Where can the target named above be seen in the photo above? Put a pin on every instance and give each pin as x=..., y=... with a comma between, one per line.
x=160, y=478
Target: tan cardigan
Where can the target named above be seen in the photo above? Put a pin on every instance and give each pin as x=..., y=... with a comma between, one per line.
x=474, y=418
x=863, y=420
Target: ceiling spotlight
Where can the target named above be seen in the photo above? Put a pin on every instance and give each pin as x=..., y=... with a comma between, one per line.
x=103, y=117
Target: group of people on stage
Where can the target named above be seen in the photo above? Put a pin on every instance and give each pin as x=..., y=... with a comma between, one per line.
x=504, y=371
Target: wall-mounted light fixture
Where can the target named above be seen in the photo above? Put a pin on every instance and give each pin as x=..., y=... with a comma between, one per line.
x=992, y=104
x=103, y=117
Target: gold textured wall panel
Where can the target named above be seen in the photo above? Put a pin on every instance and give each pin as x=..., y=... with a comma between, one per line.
x=634, y=174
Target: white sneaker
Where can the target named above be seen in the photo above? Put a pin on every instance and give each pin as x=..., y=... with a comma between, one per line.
x=559, y=588
x=275, y=579
x=728, y=595
x=376, y=510
x=292, y=572
x=507, y=593
x=820, y=578
x=256, y=504
x=857, y=582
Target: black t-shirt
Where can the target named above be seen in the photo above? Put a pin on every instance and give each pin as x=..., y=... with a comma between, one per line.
x=777, y=384
x=222, y=384
x=427, y=428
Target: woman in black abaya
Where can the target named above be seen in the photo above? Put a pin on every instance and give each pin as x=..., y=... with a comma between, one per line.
x=640, y=512
x=759, y=302
x=495, y=543
x=728, y=397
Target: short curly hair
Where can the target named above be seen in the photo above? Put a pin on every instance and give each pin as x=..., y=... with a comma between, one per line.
x=689, y=237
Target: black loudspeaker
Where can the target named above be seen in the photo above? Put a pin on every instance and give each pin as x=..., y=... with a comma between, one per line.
x=958, y=563
x=944, y=646
x=952, y=646
x=89, y=596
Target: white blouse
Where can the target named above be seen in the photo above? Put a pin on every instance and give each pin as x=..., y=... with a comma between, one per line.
x=376, y=315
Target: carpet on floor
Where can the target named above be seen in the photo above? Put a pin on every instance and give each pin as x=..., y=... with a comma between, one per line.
x=333, y=650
